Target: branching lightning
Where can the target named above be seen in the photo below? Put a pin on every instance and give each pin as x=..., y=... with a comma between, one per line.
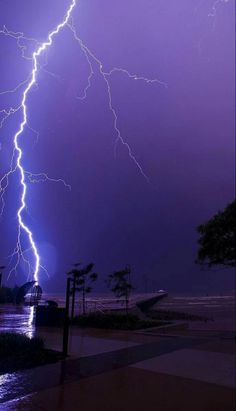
x=213, y=11
x=26, y=177
x=91, y=58
x=22, y=226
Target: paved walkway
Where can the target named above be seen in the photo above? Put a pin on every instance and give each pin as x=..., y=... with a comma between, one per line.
x=129, y=372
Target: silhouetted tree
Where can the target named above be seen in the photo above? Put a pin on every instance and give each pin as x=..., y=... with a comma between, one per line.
x=119, y=283
x=73, y=273
x=82, y=282
x=218, y=239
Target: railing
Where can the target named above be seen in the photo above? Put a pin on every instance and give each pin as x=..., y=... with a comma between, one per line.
x=91, y=306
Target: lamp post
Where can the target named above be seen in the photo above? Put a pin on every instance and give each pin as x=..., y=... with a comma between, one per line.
x=1, y=268
x=73, y=298
x=66, y=320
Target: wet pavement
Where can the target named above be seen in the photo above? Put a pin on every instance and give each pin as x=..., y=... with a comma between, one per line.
x=22, y=383
x=129, y=389
x=169, y=374
x=113, y=370
x=188, y=362
x=80, y=343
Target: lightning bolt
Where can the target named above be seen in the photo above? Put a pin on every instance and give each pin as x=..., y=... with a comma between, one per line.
x=22, y=226
x=215, y=5
x=25, y=87
x=92, y=58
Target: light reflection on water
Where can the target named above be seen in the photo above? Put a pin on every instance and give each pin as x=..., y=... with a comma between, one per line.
x=18, y=319
x=6, y=381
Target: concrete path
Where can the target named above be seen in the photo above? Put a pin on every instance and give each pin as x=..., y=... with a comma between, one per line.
x=212, y=367
x=129, y=372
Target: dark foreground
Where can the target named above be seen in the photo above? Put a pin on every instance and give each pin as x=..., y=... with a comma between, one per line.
x=117, y=370
x=177, y=369
x=18, y=352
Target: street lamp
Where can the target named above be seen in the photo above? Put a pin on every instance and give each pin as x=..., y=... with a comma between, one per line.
x=1, y=268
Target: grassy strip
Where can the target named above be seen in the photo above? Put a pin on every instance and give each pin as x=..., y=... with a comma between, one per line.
x=114, y=321
x=18, y=352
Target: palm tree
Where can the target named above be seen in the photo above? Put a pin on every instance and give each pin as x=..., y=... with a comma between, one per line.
x=119, y=283
x=82, y=282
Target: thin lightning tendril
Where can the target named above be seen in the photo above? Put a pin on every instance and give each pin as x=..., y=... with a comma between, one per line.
x=213, y=11
x=43, y=177
x=90, y=57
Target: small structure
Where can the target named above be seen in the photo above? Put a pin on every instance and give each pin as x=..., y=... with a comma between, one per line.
x=49, y=316
x=23, y=291
x=35, y=295
x=30, y=294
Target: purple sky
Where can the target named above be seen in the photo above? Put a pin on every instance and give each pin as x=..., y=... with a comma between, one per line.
x=182, y=135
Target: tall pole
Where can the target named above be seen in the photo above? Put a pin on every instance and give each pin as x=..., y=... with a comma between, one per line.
x=1, y=268
x=66, y=320
x=73, y=298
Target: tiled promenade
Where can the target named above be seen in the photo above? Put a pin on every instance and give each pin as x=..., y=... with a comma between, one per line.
x=130, y=372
